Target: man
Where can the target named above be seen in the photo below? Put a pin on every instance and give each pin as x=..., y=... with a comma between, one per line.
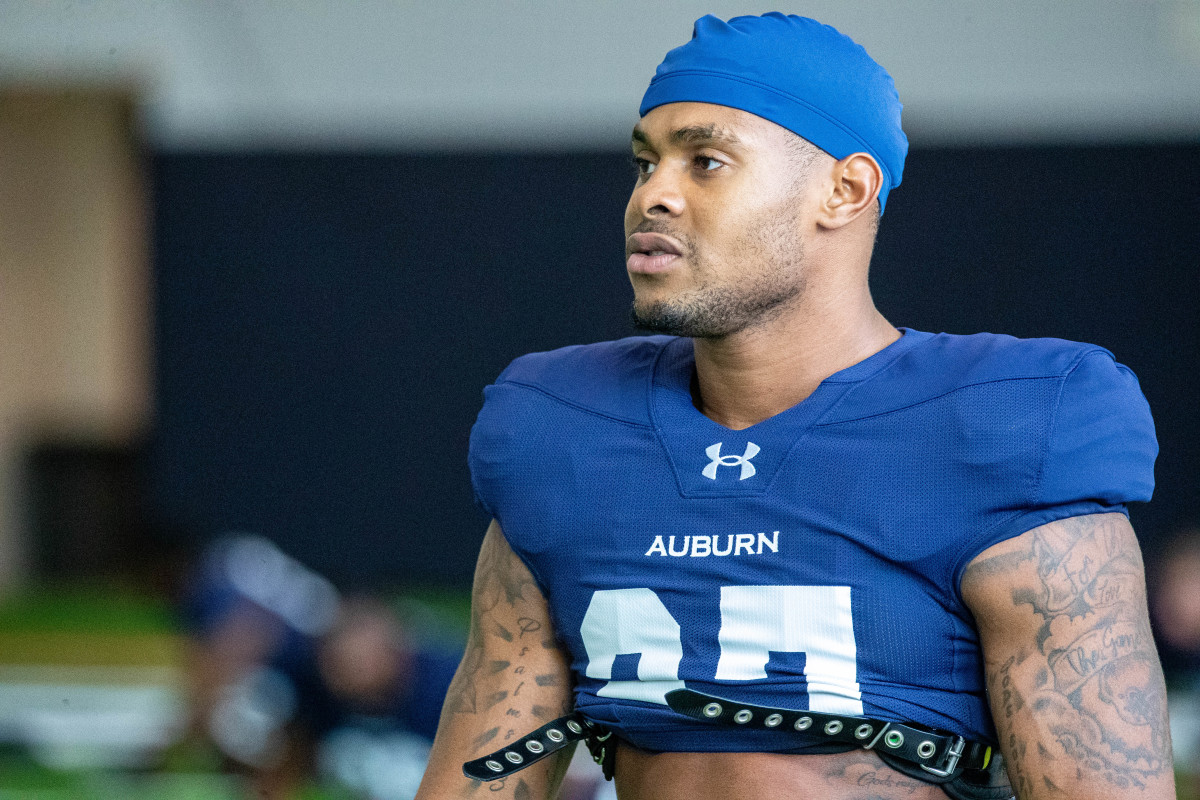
x=790, y=551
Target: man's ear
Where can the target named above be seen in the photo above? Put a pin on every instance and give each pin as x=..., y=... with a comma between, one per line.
x=854, y=185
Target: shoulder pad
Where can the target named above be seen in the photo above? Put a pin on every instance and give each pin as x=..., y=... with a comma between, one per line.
x=609, y=378
x=947, y=362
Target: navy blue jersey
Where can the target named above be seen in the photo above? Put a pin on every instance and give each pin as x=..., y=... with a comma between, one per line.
x=812, y=560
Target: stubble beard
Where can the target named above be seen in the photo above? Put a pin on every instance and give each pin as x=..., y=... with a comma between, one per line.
x=715, y=311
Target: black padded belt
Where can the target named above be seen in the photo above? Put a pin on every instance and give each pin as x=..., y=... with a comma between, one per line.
x=938, y=754
x=533, y=747
x=965, y=770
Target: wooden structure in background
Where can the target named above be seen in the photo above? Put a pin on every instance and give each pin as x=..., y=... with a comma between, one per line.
x=75, y=332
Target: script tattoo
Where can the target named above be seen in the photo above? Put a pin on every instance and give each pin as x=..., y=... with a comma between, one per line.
x=500, y=582
x=872, y=779
x=506, y=687
x=1093, y=679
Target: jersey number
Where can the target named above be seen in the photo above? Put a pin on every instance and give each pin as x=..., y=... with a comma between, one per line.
x=755, y=620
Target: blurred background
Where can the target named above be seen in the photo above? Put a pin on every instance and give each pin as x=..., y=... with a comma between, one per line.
x=259, y=259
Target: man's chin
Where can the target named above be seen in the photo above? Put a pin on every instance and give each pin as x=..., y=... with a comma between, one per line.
x=670, y=319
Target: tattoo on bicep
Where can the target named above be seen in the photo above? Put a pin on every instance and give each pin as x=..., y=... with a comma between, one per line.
x=461, y=695
x=1096, y=639
x=502, y=576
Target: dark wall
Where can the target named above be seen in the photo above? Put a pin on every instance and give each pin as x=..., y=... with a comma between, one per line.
x=325, y=323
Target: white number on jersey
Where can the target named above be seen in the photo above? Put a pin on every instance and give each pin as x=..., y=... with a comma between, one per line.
x=755, y=620
x=620, y=621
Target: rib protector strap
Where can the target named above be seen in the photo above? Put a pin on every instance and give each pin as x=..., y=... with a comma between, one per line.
x=533, y=747
x=939, y=754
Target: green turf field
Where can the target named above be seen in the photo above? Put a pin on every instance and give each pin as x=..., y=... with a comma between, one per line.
x=82, y=666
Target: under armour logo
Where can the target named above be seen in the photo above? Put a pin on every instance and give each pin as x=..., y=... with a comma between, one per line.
x=718, y=460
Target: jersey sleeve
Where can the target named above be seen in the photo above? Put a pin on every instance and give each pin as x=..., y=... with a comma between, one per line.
x=1101, y=445
x=1098, y=454
x=523, y=422
x=490, y=452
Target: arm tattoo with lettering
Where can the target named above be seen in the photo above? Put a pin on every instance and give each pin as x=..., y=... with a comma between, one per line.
x=500, y=585
x=514, y=676
x=1097, y=686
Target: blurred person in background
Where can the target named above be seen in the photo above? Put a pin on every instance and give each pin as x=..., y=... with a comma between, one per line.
x=249, y=610
x=246, y=604
x=1175, y=606
x=1175, y=610
x=291, y=682
x=366, y=702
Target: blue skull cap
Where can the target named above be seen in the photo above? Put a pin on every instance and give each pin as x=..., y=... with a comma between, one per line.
x=794, y=71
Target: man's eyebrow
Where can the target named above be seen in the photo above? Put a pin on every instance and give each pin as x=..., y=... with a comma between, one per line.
x=692, y=134
x=698, y=134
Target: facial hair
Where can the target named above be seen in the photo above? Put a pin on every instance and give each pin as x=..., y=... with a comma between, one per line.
x=716, y=309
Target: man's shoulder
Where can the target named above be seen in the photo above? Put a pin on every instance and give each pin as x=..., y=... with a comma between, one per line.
x=948, y=365
x=610, y=378
x=982, y=357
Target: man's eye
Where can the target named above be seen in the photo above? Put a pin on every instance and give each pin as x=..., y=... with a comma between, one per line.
x=643, y=166
x=707, y=164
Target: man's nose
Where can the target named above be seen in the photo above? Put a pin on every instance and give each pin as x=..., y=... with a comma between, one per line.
x=659, y=195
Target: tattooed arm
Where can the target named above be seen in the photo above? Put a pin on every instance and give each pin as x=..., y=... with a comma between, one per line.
x=513, y=678
x=1073, y=678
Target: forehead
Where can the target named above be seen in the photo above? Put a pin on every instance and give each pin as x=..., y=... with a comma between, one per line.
x=683, y=123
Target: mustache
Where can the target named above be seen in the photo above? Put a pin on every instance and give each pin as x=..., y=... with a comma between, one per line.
x=655, y=226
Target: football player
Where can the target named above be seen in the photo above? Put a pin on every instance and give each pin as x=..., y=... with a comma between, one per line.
x=785, y=549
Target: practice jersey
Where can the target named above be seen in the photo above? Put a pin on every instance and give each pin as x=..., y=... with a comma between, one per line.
x=811, y=561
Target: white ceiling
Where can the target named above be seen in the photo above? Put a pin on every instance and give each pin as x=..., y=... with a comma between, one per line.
x=569, y=75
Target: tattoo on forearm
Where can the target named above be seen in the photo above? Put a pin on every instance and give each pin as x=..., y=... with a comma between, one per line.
x=1100, y=659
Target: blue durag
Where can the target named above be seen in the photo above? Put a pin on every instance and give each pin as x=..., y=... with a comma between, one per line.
x=796, y=72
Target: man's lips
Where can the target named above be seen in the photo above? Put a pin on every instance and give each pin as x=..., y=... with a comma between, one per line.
x=651, y=252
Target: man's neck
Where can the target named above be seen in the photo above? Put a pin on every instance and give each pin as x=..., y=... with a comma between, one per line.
x=755, y=374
